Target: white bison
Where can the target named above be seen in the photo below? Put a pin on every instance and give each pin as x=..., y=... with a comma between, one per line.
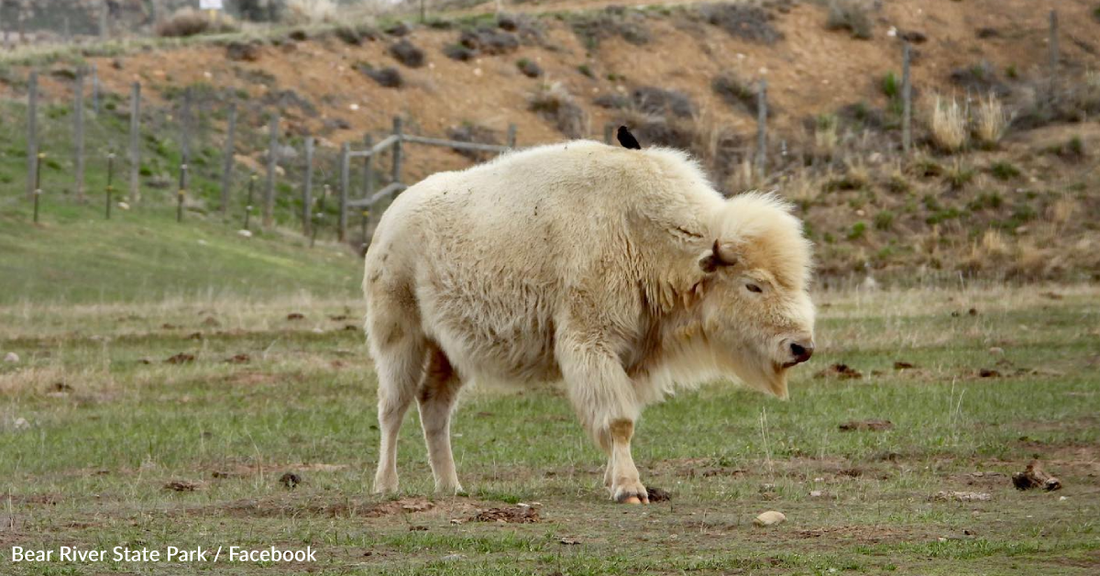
x=621, y=272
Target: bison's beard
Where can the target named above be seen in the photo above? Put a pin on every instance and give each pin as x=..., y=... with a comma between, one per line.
x=762, y=374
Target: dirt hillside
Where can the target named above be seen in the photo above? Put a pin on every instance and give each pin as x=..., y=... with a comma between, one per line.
x=558, y=69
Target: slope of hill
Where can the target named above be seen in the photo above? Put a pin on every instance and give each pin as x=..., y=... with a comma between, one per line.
x=683, y=74
x=76, y=256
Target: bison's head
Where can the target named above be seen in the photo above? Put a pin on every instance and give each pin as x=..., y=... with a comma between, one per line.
x=756, y=310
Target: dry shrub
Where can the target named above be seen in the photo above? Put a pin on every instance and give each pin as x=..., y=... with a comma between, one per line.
x=408, y=54
x=554, y=102
x=475, y=133
x=1062, y=211
x=192, y=22
x=851, y=15
x=992, y=120
x=309, y=12
x=749, y=22
x=826, y=137
x=949, y=126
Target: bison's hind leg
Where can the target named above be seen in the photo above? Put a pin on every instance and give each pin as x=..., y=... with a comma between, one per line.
x=399, y=360
x=436, y=400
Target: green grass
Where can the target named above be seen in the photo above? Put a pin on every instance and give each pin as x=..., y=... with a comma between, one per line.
x=75, y=255
x=109, y=423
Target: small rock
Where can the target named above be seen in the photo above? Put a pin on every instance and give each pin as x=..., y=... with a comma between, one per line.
x=962, y=496
x=899, y=365
x=123, y=206
x=11, y=358
x=997, y=351
x=816, y=493
x=181, y=358
x=769, y=518
x=295, y=316
x=989, y=373
x=182, y=486
x=20, y=424
x=244, y=233
x=872, y=425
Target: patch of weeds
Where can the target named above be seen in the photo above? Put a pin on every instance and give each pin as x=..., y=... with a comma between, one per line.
x=389, y=76
x=736, y=92
x=529, y=68
x=851, y=15
x=898, y=184
x=884, y=220
x=476, y=133
x=959, y=176
x=857, y=231
x=986, y=201
x=586, y=70
x=593, y=27
x=891, y=85
x=653, y=100
x=743, y=21
x=408, y=54
x=1004, y=170
x=459, y=52
x=354, y=35
x=926, y=167
x=553, y=102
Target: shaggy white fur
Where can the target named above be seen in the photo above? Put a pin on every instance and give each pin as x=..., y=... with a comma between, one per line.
x=621, y=272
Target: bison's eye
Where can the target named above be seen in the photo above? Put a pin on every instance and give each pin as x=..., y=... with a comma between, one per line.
x=753, y=288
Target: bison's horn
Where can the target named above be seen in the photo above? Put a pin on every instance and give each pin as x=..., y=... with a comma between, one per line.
x=717, y=257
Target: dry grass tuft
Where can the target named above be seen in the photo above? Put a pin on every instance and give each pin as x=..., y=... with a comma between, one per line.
x=992, y=121
x=949, y=126
x=555, y=103
x=851, y=15
x=192, y=22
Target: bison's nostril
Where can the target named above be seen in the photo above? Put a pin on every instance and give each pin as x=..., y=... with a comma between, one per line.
x=800, y=352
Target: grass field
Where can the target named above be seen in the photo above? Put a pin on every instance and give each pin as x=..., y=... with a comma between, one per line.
x=104, y=443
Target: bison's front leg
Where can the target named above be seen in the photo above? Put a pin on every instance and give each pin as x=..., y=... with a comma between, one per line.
x=604, y=399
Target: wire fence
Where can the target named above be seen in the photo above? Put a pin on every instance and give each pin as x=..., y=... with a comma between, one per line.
x=201, y=153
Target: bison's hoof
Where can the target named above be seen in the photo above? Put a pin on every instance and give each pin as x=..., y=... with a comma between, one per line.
x=632, y=496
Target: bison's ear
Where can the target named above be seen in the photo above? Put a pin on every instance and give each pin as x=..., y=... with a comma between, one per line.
x=718, y=256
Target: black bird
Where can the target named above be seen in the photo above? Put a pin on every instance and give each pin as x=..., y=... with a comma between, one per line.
x=627, y=139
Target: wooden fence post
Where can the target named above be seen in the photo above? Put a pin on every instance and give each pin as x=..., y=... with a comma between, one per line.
x=67, y=33
x=227, y=159
x=182, y=192
x=185, y=127
x=38, y=183
x=368, y=168
x=135, y=143
x=95, y=89
x=512, y=136
x=248, y=203
x=906, y=99
x=272, y=159
x=78, y=134
x=762, y=128
x=32, y=133
x=103, y=28
x=1053, y=54
x=307, y=190
x=608, y=133
x=345, y=160
x=397, y=149
x=110, y=181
